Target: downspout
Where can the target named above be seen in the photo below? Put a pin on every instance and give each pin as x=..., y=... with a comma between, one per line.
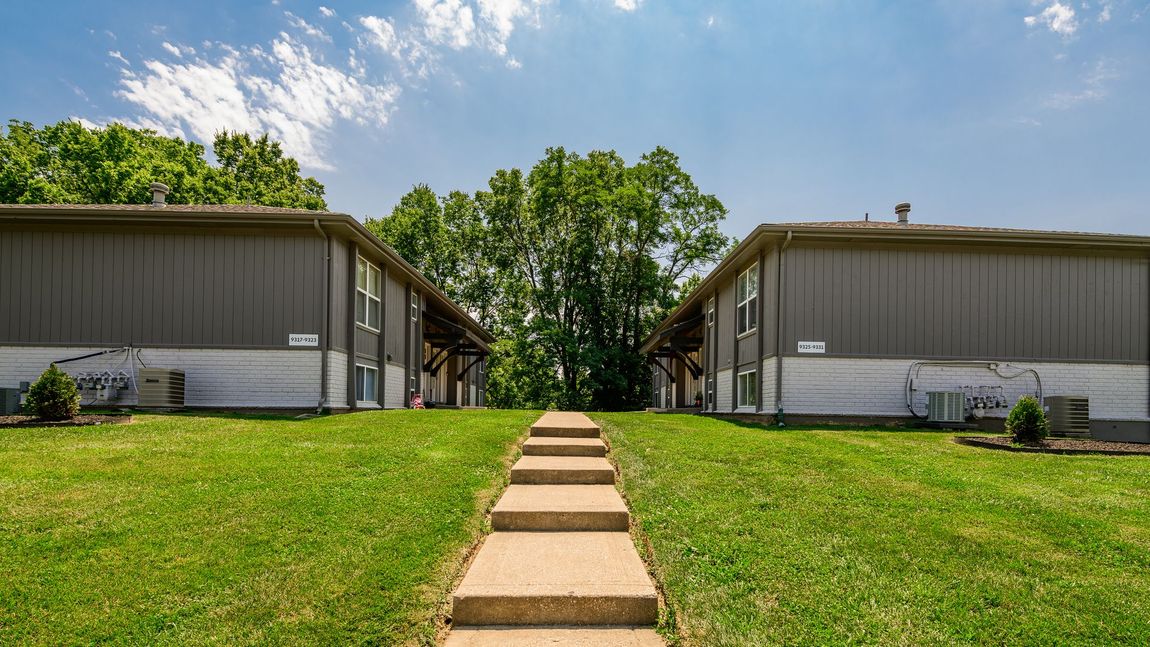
x=326, y=348
x=779, y=330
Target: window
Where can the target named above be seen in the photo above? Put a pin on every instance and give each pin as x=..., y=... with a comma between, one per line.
x=748, y=389
x=748, y=292
x=711, y=312
x=710, y=392
x=365, y=383
x=367, y=289
x=415, y=306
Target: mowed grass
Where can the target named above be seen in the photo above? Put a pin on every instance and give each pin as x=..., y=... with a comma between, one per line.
x=763, y=536
x=196, y=529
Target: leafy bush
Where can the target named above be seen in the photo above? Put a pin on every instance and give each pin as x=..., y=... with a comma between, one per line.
x=1027, y=421
x=53, y=396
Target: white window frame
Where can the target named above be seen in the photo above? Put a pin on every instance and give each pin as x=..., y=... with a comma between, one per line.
x=372, y=302
x=414, y=305
x=361, y=394
x=711, y=312
x=747, y=296
x=742, y=391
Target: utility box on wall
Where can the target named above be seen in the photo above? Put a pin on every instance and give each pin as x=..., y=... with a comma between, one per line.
x=9, y=402
x=161, y=388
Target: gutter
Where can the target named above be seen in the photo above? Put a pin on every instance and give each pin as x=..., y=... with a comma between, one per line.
x=326, y=348
x=779, y=329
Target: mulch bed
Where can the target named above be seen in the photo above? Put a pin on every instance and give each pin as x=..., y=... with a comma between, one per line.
x=1057, y=446
x=82, y=420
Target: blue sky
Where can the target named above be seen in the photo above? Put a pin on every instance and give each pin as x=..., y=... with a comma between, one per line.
x=1012, y=113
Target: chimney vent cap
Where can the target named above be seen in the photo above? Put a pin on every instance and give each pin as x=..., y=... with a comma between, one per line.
x=902, y=209
x=159, y=193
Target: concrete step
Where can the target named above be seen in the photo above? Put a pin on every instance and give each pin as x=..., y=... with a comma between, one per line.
x=562, y=470
x=552, y=446
x=561, y=508
x=553, y=637
x=565, y=424
x=556, y=578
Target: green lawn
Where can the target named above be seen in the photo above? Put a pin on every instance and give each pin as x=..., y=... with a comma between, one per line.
x=764, y=537
x=197, y=529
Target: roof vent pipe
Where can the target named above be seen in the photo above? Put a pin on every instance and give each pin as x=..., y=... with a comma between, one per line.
x=160, y=192
x=902, y=210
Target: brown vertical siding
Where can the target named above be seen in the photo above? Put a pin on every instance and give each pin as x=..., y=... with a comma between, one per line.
x=768, y=297
x=342, y=310
x=397, y=316
x=366, y=343
x=968, y=303
x=725, y=310
x=158, y=288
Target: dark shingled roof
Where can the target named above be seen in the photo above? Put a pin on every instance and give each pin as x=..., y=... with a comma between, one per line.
x=887, y=224
x=178, y=208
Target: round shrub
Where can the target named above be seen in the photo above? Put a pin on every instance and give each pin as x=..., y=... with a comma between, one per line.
x=53, y=396
x=1027, y=421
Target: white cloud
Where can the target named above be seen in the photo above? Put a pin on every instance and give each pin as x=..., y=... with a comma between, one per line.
x=447, y=22
x=306, y=27
x=1105, y=14
x=628, y=5
x=450, y=24
x=381, y=33
x=1094, y=87
x=178, y=50
x=710, y=21
x=84, y=122
x=118, y=56
x=288, y=92
x=326, y=12
x=1056, y=17
x=502, y=15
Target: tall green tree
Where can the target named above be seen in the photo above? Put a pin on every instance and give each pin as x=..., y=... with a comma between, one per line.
x=571, y=264
x=68, y=163
x=256, y=171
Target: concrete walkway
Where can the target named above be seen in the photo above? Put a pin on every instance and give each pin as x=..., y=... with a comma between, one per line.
x=560, y=568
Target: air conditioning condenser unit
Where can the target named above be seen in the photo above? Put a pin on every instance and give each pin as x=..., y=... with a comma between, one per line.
x=945, y=406
x=161, y=388
x=1069, y=415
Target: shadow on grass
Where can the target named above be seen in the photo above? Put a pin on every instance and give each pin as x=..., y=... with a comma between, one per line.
x=769, y=425
x=229, y=415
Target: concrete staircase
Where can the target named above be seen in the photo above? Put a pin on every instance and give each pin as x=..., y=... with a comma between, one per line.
x=560, y=568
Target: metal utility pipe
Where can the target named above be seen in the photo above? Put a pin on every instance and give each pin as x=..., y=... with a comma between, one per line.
x=779, y=328
x=325, y=348
x=996, y=367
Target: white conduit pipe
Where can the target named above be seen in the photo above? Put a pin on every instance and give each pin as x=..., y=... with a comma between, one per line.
x=995, y=367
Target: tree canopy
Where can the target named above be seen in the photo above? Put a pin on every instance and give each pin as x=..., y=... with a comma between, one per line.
x=68, y=163
x=571, y=265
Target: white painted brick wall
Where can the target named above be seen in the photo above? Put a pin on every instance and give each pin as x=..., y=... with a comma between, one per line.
x=337, y=380
x=876, y=387
x=394, y=391
x=767, y=380
x=723, y=390
x=214, y=377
